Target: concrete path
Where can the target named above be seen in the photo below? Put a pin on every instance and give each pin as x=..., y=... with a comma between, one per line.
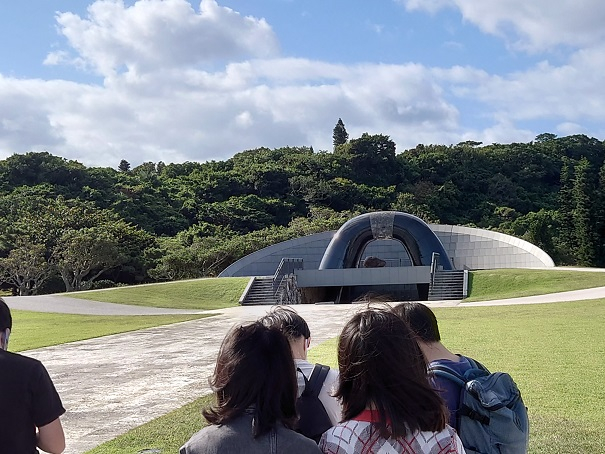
x=68, y=305
x=112, y=384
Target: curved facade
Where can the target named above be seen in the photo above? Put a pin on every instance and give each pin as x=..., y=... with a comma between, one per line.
x=350, y=241
x=479, y=249
x=466, y=247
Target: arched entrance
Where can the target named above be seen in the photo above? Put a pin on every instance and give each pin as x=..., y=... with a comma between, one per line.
x=348, y=244
x=346, y=247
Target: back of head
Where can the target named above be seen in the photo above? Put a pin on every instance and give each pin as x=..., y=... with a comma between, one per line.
x=421, y=319
x=382, y=367
x=288, y=322
x=254, y=373
x=6, y=320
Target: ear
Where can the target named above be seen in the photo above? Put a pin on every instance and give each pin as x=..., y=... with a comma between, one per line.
x=4, y=339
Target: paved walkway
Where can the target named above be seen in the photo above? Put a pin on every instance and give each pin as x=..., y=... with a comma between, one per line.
x=111, y=384
x=69, y=305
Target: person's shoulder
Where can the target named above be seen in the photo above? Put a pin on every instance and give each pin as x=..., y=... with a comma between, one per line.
x=466, y=362
x=346, y=430
x=459, y=366
x=295, y=443
x=348, y=426
x=450, y=436
x=210, y=437
x=18, y=360
x=332, y=375
x=331, y=382
x=305, y=366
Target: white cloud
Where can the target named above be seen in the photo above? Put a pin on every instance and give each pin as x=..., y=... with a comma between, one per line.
x=167, y=33
x=568, y=128
x=197, y=115
x=179, y=102
x=535, y=25
x=570, y=91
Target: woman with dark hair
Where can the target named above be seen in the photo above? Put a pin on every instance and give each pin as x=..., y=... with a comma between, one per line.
x=255, y=386
x=387, y=401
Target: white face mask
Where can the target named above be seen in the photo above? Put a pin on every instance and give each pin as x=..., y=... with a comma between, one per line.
x=5, y=337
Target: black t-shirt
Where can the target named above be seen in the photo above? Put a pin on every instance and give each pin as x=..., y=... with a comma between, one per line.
x=28, y=399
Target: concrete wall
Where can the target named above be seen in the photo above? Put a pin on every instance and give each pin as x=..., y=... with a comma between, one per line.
x=363, y=276
x=265, y=261
x=478, y=249
x=467, y=247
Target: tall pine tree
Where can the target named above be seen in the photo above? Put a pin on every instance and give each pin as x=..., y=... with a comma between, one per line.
x=340, y=134
x=582, y=194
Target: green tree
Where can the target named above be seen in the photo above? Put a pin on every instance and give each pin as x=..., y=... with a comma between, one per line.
x=582, y=194
x=539, y=228
x=124, y=166
x=371, y=159
x=407, y=203
x=599, y=211
x=545, y=137
x=81, y=256
x=340, y=134
x=26, y=268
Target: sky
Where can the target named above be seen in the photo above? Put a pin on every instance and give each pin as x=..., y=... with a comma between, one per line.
x=177, y=80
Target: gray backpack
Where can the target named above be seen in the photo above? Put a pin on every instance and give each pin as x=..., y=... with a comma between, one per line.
x=492, y=417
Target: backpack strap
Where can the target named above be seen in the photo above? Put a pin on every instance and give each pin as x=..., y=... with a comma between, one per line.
x=316, y=380
x=439, y=370
x=448, y=373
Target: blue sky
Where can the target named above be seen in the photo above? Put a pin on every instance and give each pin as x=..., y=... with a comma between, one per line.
x=173, y=81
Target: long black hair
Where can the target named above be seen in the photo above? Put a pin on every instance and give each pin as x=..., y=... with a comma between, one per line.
x=382, y=368
x=254, y=373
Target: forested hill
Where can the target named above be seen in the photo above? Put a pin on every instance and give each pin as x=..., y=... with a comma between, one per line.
x=67, y=226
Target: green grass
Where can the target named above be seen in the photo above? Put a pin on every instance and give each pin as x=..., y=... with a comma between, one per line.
x=166, y=433
x=554, y=351
x=39, y=329
x=202, y=294
x=512, y=283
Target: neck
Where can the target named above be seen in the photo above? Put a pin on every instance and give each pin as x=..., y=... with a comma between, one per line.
x=299, y=348
x=436, y=350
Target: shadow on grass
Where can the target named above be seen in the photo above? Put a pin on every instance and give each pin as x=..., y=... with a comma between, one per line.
x=470, y=284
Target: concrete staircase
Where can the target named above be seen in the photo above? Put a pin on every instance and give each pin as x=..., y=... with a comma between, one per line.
x=447, y=285
x=260, y=292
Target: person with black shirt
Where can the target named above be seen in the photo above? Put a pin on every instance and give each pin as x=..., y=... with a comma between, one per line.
x=29, y=403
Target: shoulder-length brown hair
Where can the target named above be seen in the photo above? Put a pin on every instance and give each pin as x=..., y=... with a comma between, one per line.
x=254, y=373
x=382, y=368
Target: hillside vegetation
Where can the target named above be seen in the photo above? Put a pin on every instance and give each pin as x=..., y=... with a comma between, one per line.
x=70, y=227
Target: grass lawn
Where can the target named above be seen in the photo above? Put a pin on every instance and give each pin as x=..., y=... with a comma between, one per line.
x=40, y=329
x=513, y=283
x=554, y=352
x=201, y=294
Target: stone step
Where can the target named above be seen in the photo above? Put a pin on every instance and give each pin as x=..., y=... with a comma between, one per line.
x=261, y=292
x=447, y=285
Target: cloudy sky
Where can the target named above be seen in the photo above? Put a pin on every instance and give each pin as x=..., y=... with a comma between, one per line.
x=178, y=80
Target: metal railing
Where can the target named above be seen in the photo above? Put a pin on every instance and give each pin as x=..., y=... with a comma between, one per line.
x=286, y=267
x=288, y=292
x=434, y=266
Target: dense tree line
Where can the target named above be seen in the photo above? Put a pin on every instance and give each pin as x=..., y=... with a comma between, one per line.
x=68, y=227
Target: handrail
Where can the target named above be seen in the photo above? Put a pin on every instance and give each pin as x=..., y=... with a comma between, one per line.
x=434, y=266
x=288, y=292
x=286, y=267
x=246, y=290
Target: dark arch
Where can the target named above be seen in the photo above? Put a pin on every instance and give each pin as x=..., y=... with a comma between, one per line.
x=349, y=241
